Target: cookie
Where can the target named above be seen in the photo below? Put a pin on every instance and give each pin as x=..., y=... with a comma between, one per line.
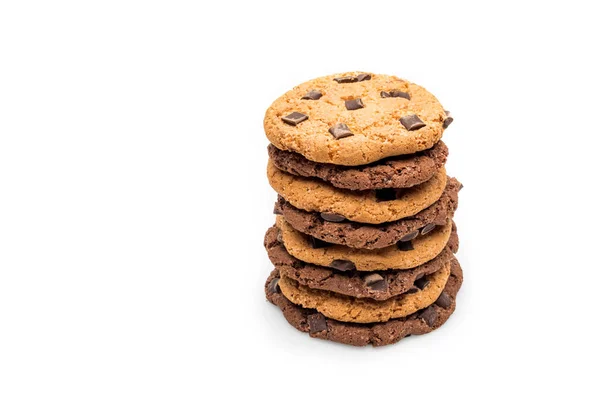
x=404, y=255
x=355, y=118
x=364, y=311
x=314, y=195
x=377, y=334
x=366, y=236
x=390, y=173
x=380, y=285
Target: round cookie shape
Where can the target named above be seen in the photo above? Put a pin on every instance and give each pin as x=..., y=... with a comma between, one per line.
x=380, y=285
x=366, y=236
x=378, y=334
x=356, y=119
x=425, y=248
x=390, y=173
x=349, y=309
x=364, y=206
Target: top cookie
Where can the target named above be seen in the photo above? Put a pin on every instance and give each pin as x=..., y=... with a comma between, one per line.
x=355, y=118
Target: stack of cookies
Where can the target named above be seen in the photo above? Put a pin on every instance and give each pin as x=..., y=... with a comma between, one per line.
x=364, y=240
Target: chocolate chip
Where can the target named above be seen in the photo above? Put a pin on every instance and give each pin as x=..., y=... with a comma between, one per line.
x=280, y=237
x=363, y=77
x=427, y=228
x=332, y=217
x=460, y=187
x=412, y=122
x=312, y=95
x=395, y=93
x=411, y=290
x=294, y=118
x=277, y=209
x=422, y=283
x=385, y=194
x=273, y=286
x=340, y=131
x=316, y=323
x=444, y=300
x=448, y=120
x=342, y=265
x=346, y=79
x=409, y=237
x=318, y=243
x=354, y=104
x=405, y=246
x=376, y=282
x=429, y=316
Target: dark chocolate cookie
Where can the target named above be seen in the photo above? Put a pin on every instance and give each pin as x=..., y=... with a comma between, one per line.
x=368, y=236
x=377, y=334
x=390, y=173
x=380, y=285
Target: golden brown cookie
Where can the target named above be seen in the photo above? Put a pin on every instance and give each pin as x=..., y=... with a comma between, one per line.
x=311, y=194
x=351, y=309
x=355, y=118
x=401, y=256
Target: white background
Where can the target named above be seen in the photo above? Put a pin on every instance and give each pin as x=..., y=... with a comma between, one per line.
x=133, y=197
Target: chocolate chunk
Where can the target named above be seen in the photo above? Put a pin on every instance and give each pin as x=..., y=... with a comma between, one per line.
x=422, y=283
x=294, y=118
x=316, y=323
x=427, y=228
x=346, y=79
x=419, y=276
x=429, y=316
x=409, y=237
x=342, y=265
x=277, y=209
x=448, y=120
x=412, y=122
x=332, y=217
x=318, y=243
x=460, y=187
x=340, y=131
x=363, y=77
x=385, y=194
x=274, y=286
x=376, y=282
x=312, y=95
x=444, y=300
x=405, y=246
x=395, y=93
x=412, y=290
x=354, y=104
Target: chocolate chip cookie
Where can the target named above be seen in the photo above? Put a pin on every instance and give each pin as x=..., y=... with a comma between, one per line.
x=355, y=118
